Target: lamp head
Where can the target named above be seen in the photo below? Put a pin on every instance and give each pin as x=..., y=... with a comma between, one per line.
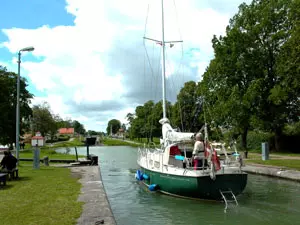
x=27, y=49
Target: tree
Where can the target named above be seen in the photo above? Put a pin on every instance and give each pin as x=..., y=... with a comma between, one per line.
x=8, y=100
x=145, y=122
x=113, y=125
x=43, y=120
x=275, y=29
x=78, y=127
x=283, y=87
x=242, y=83
x=185, y=110
x=92, y=132
x=130, y=118
x=123, y=126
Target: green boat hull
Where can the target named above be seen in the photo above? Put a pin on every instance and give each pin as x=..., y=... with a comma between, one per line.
x=197, y=187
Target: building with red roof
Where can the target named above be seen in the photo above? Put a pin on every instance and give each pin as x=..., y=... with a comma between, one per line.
x=66, y=131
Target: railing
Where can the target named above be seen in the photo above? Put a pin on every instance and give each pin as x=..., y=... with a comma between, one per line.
x=154, y=158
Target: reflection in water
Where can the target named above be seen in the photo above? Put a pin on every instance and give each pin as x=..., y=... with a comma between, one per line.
x=265, y=200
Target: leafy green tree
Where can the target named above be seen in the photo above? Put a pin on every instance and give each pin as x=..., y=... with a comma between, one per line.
x=78, y=127
x=130, y=117
x=281, y=91
x=275, y=29
x=43, y=120
x=123, y=126
x=92, y=132
x=113, y=124
x=8, y=96
x=244, y=83
x=186, y=109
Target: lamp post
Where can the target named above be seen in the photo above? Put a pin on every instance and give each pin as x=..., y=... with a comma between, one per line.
x=27, y=49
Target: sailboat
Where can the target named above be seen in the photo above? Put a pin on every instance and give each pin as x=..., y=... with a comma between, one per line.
x=169, y=169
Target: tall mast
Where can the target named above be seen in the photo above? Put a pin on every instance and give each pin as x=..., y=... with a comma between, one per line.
x=163, y=43
x=163, y=61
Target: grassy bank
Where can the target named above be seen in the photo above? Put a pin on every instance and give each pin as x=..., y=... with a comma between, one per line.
x=284, y=163
x=144, y=140
x=118, y=142
x=284, y=160
x=74, y=142
x=45, y=196
x=47, y=152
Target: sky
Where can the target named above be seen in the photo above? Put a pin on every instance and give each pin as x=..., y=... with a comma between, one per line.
x=91, y=62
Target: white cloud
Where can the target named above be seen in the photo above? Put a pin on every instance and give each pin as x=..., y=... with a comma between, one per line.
x=56, y=103
x=99, y=60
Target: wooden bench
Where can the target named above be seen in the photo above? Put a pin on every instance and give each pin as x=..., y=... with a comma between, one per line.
x=3, y=178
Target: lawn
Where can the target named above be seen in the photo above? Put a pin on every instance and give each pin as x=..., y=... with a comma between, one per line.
x=72, y=143
x=287, y=163
x=41, y=196
x=47, y=152
x=144, y=140
x=50, y=150
x=286, y=154
x=118, y=142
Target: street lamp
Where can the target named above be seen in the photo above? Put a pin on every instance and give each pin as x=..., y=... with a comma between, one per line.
x=27, y=49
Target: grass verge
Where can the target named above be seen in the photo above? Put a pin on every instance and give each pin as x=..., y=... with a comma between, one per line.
x=156, y=140
x=118, y=142
x=286, y=163
x=48, y=152
x=41, y=196
x=72, y=143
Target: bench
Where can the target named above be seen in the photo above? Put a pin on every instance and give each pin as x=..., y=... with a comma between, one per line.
x=13, y=174
x=3, y=178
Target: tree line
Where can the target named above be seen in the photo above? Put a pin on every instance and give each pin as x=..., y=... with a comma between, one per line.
x=251, y=84
x=32, y=119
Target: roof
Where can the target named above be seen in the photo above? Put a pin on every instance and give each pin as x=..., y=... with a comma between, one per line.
x=66, y=131
x=4, y=147
x=37, y=138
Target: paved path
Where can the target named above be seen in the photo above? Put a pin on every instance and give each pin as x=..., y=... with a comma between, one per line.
x=96, y=207
x=274, y=171
x=275, y=156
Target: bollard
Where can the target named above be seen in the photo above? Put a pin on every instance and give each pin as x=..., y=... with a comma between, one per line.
x=46, y=161
x=265, y=150
x=94, y=159
x=36, y=158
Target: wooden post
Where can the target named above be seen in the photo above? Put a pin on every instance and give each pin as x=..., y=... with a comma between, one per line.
x=87, y=150
x=76, y=154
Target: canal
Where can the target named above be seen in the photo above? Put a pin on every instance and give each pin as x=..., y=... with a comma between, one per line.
x=265, y=200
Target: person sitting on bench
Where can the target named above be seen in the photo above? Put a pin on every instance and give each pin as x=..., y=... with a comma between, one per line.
x=9, y=162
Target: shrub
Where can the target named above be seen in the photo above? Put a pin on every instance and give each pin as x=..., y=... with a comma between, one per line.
x=63, y=138
x=254, y=139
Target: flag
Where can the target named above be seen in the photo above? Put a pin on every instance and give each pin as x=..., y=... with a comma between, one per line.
x=207, y=149
x=215, y=160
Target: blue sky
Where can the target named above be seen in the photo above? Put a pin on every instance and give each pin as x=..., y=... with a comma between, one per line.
x=30, y=15
x=88, y=62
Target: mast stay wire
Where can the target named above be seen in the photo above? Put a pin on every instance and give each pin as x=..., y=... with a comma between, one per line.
x=155, y=77
x=151, y=66
x=179, y=67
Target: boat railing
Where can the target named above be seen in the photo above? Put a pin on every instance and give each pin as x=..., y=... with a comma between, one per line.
x=187, y=164
x=151, y=145
x=154, y=158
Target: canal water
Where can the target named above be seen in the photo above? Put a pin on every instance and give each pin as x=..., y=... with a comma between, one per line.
x=265, y=200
